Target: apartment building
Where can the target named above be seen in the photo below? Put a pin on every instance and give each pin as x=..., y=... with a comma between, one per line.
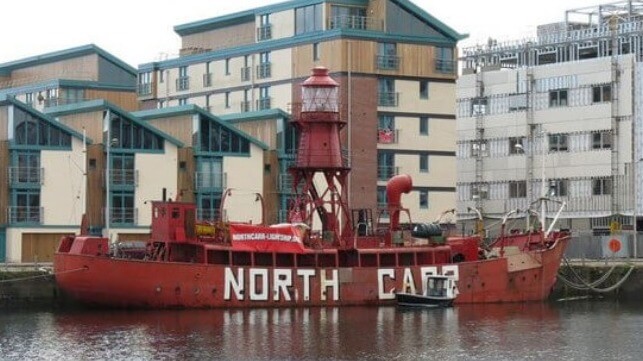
x=395, y=64
x=558, y=115
x=69, y=76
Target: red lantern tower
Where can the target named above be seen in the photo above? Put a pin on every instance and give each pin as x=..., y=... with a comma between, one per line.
x=319, y=157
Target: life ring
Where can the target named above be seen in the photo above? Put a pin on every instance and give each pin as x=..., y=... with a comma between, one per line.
x=614, y=245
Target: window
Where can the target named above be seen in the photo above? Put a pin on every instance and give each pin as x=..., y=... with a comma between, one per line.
x=145, y=83
x=264, y=32
x=558, y=187
x=601, y=140
x=444, y=62
x=161, y=76
x=245, y=71
x=122, y=205
x=131, y=135
x=264, y=67
x=315, y=51
x=183, y=81
x=387, y=95
x=516, y=145
x=161, y=104
x=558, y=98
x=424, y=163
x=29, y=98
x=348, y=17
x=207, y=77
x=385, y=165
x=227, y=66
x=122, y=170
x=308, y=19
x=558, y=142
x=386, y=122
x=479, y=191
x=424, y=199
x=25, y=206
x=387, y=58
x=601, y=186
x=264, y=98
x=518, y=189
x=227, y=100
x=216, y=138
x=479, y=148
x=25, y=169
x=424, y=125
x=424, y=89
x=183, y=101
x=517, y=102
x=30, y=130
x=479, y=106
x=601, y=93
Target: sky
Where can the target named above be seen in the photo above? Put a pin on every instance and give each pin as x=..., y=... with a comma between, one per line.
x=141, y=31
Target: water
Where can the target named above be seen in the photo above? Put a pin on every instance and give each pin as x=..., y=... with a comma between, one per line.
x=578, y=330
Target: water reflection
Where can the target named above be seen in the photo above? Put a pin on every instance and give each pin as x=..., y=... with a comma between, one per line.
x=482, y=332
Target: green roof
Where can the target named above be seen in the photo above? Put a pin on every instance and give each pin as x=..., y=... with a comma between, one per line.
x=195, y=109
x=256, y=115
x=60, y=55
x=98, y=105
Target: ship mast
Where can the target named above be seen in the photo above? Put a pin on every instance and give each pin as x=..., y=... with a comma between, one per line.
x=320, y=172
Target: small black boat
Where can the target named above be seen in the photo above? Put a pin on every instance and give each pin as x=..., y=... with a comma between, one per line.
x=440, y=291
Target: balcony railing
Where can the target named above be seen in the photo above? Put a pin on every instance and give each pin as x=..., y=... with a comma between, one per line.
x=264, y=70
x=124, y=215
x=284, y=183
x=445, y=66
x=208, y=180
x=124, y=177
x=264, y=32
x=26, y=214
x=245, y=106
x=183, y=83
x=145, y=89
x=263, y=104
x=387, y=172
x=388, y=99
x=245, y=73
x=387, y=62
x=26, y=176
x=51, y=102
x=388, y=136
x=355, y=22
x=207, y=79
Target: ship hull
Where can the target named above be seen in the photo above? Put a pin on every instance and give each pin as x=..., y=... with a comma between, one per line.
x=104, y=281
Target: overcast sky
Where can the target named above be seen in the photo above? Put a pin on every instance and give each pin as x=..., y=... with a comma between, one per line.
x=141, y=31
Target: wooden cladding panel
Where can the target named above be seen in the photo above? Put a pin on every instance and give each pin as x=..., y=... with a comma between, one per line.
x=186, y=174
x=416, y=60
x=223, y=38
x=4, y=190
x=4, y=121
x=125, y=100
x=92, y=122
x=40, y=247
x=179, y=127
x=264, y=130
x=95, y=185
x=80, y=68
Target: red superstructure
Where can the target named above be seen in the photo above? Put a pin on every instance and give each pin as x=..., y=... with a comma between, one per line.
x=328, y=255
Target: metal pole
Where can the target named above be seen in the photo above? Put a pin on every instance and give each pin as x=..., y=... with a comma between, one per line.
x=543, y=188
x=108, y=177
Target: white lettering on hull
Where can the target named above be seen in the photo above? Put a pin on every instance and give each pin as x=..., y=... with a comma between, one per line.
x=281, y=283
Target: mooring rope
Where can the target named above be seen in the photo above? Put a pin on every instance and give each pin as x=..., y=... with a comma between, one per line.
x=43, y=276
x=592, y=286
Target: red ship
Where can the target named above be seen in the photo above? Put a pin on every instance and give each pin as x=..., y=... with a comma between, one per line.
x=351, y=260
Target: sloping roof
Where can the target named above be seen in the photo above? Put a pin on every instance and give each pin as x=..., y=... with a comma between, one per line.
x=256, y=115
x=45, y=117
x=60, y=55
x=249, y=15
x=189, y=109
x=98, y=105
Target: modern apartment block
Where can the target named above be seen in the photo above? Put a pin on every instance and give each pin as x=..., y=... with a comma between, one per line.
x=394, y=62
x=68, y=76
x=563, y=108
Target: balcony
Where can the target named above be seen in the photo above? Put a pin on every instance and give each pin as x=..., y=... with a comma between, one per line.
x=388, y=99
x=245, y=73
x=124, y=177
x=445, y=66
x=385, y=173
x=210, y=181
x=355, y=23
x=284, y=183
x=207, y=80
x=387, y=62
x=144, y=89
x=264, y=32
x=25, y=176
x=263, y=103
x=245, y=106
x=124, y=215
x=388, y=136
x=51, y=102
x=264, y=70
x=183, y=83
x=25, y=214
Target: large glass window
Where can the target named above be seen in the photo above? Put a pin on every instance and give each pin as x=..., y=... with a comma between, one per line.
x=29, y=130
x=122, y=208
x=129, y=135
x=308, y=19
x=26, y=206
x=385, y=165
x=218, y=139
